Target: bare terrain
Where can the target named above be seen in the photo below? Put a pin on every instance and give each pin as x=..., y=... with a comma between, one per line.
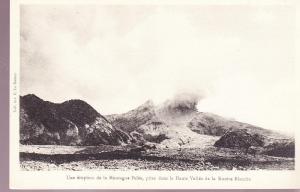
x=124, y=158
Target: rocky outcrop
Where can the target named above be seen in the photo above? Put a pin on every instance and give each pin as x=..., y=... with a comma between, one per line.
x=255, y=143
x=239, y=139
x=72, y=122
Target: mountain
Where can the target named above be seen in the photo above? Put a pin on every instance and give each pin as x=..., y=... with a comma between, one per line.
x=178, y=123
x=131, y=120
x=165, y=124
x=73, y=122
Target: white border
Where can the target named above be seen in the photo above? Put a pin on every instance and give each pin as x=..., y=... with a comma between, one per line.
x=57, y=179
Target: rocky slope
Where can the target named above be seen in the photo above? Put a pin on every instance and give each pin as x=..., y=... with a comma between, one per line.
x=240, y=139
x=133, y=119
x=177, y=123
x=72, y=122
x=211, y=124
x=164, y=125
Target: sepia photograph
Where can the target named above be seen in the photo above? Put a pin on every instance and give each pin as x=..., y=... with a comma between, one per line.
x=156, y=87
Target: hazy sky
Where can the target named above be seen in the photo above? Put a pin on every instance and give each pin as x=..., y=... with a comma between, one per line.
x=239, y=58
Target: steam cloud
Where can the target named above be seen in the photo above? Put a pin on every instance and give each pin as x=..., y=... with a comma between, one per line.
x=185, y=102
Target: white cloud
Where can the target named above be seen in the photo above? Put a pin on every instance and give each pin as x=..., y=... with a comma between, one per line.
x=115, y=58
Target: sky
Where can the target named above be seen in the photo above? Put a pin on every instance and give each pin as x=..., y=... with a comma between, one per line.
x=240, y=59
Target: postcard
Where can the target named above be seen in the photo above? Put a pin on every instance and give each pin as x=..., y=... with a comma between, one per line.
x=141, y=94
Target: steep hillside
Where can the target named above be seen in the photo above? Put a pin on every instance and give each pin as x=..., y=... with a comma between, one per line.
x=72, y=122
